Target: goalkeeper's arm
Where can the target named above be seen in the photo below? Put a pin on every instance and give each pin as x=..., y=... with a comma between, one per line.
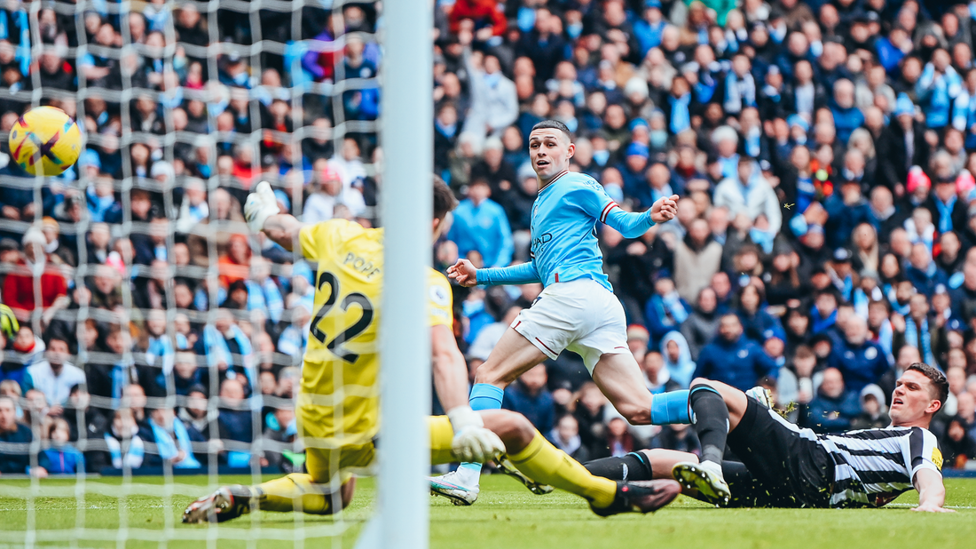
x=472, y=441
x=263, y=215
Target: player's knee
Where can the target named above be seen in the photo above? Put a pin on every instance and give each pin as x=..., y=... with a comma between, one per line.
x=700, y=381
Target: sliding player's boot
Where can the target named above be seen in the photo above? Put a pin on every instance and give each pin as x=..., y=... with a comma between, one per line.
x=640, y=496
x=226, y=503
x=706, y=477
x=762, y=395
x=507, y=467
x=452, y=487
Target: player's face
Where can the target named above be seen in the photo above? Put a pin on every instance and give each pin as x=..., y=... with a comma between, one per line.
x=912, y=399
x=550, y=151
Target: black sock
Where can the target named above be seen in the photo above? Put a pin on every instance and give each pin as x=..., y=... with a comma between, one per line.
x=711, y=421
x=633, y=466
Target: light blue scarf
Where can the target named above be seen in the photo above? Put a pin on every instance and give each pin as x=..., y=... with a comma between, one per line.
x=169, y=448
x=680, y=115
x=945, y=213
x=911, y=337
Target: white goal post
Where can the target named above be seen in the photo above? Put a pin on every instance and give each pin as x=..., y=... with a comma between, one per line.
x=407, y=140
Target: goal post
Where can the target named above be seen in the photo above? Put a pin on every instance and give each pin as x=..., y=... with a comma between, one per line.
x=407, y=140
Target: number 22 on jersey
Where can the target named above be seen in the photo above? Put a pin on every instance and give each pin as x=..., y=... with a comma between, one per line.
x=353, y=301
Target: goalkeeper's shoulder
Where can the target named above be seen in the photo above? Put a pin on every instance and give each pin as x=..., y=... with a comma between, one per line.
x=439, y=298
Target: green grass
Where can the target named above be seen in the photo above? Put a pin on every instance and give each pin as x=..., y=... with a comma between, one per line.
x=506, y=517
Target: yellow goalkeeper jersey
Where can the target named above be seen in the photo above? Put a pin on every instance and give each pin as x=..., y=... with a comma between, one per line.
x=339, y=396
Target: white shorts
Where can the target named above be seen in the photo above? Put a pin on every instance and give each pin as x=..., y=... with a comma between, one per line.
x=581, y=316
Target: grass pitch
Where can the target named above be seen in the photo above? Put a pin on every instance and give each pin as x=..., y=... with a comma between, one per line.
x=506, y=517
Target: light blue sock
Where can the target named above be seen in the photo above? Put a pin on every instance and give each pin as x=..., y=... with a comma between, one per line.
x=483, y=397
x=670, y=408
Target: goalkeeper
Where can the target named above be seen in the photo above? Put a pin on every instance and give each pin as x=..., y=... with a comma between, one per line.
x=338, y=405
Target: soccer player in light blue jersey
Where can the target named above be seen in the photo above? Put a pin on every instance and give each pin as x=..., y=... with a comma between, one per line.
x=577, y=309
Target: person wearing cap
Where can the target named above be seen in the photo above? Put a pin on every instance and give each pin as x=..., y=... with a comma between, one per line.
x=840, y=273
x=902, y=144
x=749, y=193
x=481, y=225
x=634, y=166
x=649, y=29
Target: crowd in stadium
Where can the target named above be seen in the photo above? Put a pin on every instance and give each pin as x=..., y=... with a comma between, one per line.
x=824, y=153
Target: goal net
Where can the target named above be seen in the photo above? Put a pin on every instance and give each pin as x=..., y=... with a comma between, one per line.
x=160, y=344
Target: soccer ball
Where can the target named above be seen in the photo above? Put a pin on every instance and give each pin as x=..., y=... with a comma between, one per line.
x=45, y=141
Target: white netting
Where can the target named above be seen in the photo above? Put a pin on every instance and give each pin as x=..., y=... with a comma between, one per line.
x=184, y=106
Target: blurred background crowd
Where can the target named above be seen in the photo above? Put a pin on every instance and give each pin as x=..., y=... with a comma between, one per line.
x=824, y=153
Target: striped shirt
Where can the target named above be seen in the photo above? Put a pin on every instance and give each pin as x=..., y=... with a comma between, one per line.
x=872, y=467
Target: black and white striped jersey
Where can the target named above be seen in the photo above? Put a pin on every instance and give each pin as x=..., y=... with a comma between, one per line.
x=874, y=466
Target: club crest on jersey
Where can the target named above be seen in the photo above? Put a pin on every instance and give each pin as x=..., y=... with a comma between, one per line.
x=871, y=353
x=743, y=353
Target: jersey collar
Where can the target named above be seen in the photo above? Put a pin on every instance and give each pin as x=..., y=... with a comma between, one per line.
x=553, y=180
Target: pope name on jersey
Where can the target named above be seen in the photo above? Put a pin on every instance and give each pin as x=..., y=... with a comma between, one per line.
x=342, y=356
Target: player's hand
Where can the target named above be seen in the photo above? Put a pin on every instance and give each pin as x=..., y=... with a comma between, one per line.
x=664, y=209
x=464, y=272
x=260, y=205
x=472, y=442
x=932, y=508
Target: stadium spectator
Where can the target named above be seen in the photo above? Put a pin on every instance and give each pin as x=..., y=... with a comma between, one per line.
x=61, y=458
x=532, y=399
x=832, y=410
x=874, y=412
x=54, y=375
x=697, y=257
x=15, y=460
x=734, y=359
x=565, y=436
x=677, y=359
x=480, y=225
x=19, y=292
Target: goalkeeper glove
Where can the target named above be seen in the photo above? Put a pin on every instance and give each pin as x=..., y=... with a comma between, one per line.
x=472, y=442
x=260, y=205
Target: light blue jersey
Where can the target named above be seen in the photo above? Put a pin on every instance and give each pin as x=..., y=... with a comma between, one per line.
x=564, y=236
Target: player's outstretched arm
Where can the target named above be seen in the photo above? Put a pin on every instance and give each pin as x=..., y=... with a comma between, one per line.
x=467, y=275
x=472, y=441
x=262, y=214
x=931, y=492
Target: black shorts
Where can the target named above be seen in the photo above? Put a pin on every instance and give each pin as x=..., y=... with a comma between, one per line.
x=780, y=468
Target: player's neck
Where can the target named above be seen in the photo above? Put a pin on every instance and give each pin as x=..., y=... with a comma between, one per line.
x=922, y=422
x=552, y=179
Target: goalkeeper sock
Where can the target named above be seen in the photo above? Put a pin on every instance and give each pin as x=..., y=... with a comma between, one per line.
x=633, y=466
x=711, y=421
x=483, y=397
x=546, y=464
x=281, y=494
